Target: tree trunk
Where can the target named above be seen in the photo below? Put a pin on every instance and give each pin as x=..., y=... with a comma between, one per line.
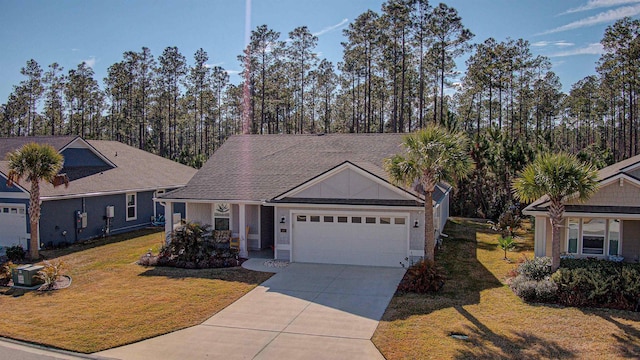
x=34, y=217
x=429, y=231
x=556, y=211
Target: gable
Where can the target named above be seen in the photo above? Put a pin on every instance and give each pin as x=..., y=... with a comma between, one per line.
x=348, y=182
x=11, y=192
x=620, y=192
x=75, y=157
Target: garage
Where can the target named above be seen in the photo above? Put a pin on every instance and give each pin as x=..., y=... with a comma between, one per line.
x=13, y=222
x=350, y=238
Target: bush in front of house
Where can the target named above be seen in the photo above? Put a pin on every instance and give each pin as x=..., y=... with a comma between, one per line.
x=423, y=277
x=5, y=272
x=532, y=281
x=598, y=283
x=15, y=253
x=192, y=247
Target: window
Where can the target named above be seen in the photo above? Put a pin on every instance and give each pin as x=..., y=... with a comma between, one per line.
x=370, y=220
x=315, y=218
x=328, y=219
x=301, y=218
x=342, y=219
x=131, y=206
x=356, y=220
x=573, y=232
x=221, y=216
x=385, y=220
x=399, y=221
x=593, y=236
x=614, y=236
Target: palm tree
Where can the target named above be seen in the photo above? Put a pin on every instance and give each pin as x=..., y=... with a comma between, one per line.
x=34, y=163
x=431, y=155
x=556, y=176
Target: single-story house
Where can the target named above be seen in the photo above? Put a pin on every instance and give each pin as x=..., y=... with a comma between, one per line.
x=111, y=190
x=311, y=198
x=605, y=226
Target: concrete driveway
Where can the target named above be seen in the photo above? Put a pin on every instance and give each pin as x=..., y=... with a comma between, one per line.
x=306, y=311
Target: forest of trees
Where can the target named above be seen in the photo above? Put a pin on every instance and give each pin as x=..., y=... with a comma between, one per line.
x=396, y=75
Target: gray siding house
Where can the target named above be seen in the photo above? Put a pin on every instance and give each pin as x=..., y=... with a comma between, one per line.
x=607, y=226
x=310, y=198
x=111, y=190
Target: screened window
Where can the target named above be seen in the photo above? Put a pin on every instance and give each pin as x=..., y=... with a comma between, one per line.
x=614, y=236
x=573, y=233
x=593, y=231
x=132, y=212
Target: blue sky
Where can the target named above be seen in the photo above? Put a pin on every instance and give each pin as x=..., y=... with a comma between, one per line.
x=98, y=32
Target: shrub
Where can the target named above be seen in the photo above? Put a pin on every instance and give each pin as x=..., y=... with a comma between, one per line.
x=536, y=268
x=15, y=253
x=506, y=243
x=51, y=273
x=589, y=282
x=422, y=277
x=523, y=287
x=192, y=246
x=5, y=272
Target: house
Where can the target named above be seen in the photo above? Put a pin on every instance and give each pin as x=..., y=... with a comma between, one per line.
x=311, y=198
x=111, y=190
x=605, y=226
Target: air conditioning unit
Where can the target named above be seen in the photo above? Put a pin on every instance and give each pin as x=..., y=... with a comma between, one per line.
x=25, y=275
x=110, y=211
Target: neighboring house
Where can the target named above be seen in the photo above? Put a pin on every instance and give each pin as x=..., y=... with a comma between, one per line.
x=111, y=190
x=607, y=225
x=311, y=198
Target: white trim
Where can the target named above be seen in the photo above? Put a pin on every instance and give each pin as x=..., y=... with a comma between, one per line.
x=135, y=206
x=16, y=184
x=14, y=195
x=236, y=202
x=363, y=207
x=340, y=168
x=103, y=193
x=631, y=167
x=590, y=215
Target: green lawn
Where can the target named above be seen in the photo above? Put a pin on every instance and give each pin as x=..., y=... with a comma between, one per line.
x=476, y=302
x=113, y=301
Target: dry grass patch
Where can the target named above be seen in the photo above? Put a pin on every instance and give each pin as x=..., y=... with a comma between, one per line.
x=113, y=301
x=476, y=302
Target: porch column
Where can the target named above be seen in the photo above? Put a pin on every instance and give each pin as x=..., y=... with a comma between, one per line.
x=242, y=231
x=168, y=220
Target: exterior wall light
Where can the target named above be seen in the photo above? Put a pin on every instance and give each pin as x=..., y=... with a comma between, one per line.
x=282, y=220
x=415, y=224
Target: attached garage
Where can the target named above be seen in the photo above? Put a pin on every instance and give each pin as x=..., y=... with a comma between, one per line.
x=13, y=225
x=350, y=238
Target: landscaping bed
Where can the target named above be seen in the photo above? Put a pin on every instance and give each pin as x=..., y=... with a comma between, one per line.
x=114, y=301
x=477, y=316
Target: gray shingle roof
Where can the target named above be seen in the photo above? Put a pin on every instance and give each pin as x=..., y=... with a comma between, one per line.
x=10, y=144
x=261, y=167
x=135, y=170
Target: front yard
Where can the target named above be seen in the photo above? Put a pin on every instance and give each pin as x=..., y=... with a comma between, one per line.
x=475, y=302
x=113, y=301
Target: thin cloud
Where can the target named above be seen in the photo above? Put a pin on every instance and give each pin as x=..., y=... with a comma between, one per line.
x=331, y=28
x=601, y=18
x=598, y=4
x=90, y=62
x=560, y=43
x=591, y=49
x=233, y=72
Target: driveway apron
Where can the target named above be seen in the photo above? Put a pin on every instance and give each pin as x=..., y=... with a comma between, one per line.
x=306, y=311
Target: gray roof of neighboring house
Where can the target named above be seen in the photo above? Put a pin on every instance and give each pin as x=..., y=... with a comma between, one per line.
x=261, y=167
x=603, y=174
x=135, y=170
x=13, y=143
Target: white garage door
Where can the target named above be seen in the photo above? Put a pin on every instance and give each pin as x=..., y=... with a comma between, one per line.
x=13, y=225
x=359, y=239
